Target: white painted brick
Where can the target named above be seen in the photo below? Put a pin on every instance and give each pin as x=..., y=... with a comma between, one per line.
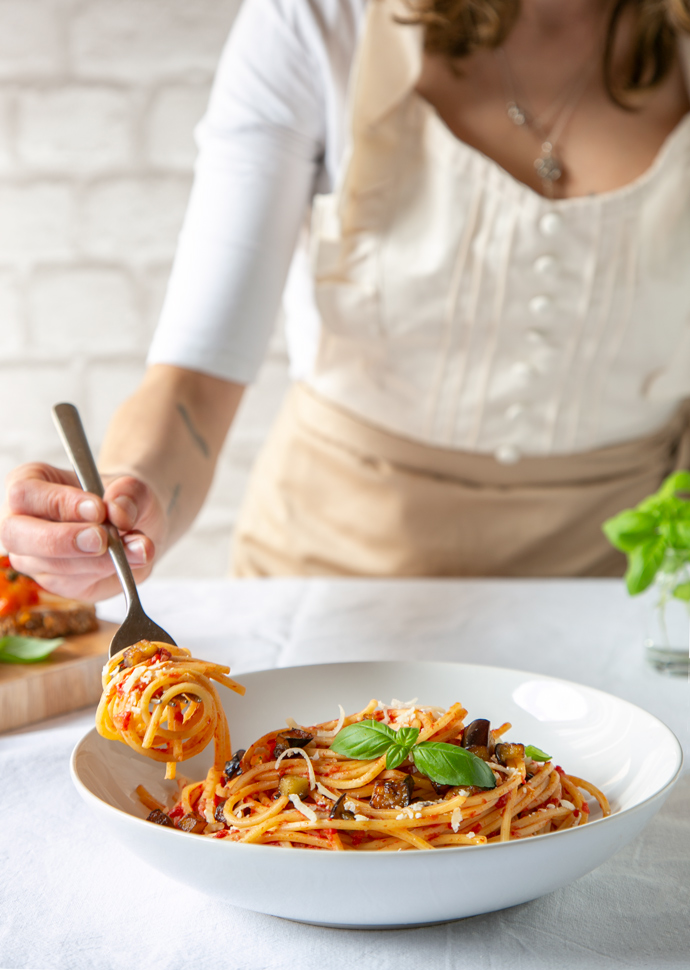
x=155, y=284
x=32, y=390
x=84, y=311
x=30, y=39
x=134, y=219
x=108, y=384
x=38, y=222
x=6, y=160
x=170, y=123
x=74, y=130
x=12, y=331
x=148, y=39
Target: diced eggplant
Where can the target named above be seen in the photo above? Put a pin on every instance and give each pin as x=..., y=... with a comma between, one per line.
x=466, y=790
x=392, y=794
x=477, y=733
x=510, y=755
x=233, y=766
x=160, y=818
x=339, y=810
x=218, y=813
x=138, y=652
x=294, y=738
x=192, y=823
x=479, y=750
x=293, y=785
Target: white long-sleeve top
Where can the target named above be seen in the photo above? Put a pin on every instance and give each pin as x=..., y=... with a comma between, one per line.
x=273, y=136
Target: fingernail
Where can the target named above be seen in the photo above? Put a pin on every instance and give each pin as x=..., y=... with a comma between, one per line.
x=128, y=507
x=136, y=551
x=88, y=510
x=89, y=540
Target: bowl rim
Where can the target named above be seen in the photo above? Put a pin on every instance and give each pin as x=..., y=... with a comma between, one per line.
x=91, y=797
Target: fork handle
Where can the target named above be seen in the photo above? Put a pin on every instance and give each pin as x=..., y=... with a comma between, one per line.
x=71, y=431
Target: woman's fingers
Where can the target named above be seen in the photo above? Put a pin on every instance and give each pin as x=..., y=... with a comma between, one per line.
x=45, y=498
x=24, y=535
x=57, y=533
x=140, y=552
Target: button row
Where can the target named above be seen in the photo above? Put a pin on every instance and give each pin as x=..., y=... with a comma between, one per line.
x=541, y=305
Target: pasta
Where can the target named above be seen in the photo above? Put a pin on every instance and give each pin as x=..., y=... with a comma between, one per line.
x=292, y=789
x=161, y=702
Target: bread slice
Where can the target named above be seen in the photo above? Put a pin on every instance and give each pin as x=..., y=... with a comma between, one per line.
x=52, y=616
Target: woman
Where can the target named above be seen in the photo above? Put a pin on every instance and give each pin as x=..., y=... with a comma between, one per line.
x=491, y=342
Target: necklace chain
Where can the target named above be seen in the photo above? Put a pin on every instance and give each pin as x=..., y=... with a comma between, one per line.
x=552, y=122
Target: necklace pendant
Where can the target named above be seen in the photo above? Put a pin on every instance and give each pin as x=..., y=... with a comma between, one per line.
x=548, y=168
x=516, y=114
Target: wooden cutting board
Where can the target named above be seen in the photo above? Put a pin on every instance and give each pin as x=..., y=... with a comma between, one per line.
x=68, y=680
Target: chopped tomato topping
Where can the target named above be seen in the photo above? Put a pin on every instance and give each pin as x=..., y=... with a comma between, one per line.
x=585, y=808
x=221, y=834
x=16, y=590
x=177, y=812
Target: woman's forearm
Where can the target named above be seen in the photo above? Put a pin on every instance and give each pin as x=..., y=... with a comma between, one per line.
x=169, y=434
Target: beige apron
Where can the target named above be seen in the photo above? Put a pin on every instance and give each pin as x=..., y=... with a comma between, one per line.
x=335, y=493
x=333, y=496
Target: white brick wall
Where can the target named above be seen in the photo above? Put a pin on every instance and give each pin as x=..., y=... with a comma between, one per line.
x=98, y=100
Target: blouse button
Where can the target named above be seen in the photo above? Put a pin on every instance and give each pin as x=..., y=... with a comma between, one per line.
x=507, y=454
x=540, y=305
x=514, y=411
x=536, y=336
x=550, y=223
x=523, y=369
x=544, y=265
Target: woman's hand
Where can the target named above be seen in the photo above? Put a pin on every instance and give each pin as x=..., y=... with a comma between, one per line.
x=54, y=531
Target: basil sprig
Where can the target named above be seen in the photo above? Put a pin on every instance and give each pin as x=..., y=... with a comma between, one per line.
x=446, y=764
x=655, y=536
x=26, y=650
x=536, y=754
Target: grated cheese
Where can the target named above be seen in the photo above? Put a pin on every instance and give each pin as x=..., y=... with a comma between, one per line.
x=566, y=804
x=326, y=791
x=455, y=819
x=361, y=818
x=310, y=767
x=304, y=809
x=338, y=728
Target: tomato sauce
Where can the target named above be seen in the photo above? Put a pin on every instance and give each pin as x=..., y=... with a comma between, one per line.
x=16, y=590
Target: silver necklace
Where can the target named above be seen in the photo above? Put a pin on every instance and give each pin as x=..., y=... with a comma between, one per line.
x=551, y=123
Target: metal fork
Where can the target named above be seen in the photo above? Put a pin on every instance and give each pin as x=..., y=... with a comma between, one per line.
x=137, y=625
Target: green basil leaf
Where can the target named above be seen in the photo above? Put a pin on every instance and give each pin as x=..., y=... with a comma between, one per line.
x=364, y=740
x=395, y=755
x=448, y=764
x=536, y=754
x=629, y=529
x=682, y=592
x=26, y=650
x=643, y=565
x=407, y=736
x=676, y=482
x=680, y=534
x=400, y=749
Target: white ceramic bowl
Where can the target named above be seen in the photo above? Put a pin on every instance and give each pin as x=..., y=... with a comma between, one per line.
x=624, y=750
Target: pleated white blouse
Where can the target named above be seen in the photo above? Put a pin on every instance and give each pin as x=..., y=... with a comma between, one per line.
x=442, y=299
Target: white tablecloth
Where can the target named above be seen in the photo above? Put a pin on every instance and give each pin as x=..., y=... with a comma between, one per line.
x=72, y=899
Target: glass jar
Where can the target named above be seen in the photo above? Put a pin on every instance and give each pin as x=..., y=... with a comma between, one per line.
x=667, y=621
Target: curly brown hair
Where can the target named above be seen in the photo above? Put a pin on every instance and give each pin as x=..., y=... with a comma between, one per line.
x=456, y=28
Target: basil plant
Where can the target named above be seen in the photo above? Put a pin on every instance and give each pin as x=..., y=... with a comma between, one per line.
x=655, y=536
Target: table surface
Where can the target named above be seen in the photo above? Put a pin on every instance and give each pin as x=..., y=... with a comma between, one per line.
x=58, y=912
